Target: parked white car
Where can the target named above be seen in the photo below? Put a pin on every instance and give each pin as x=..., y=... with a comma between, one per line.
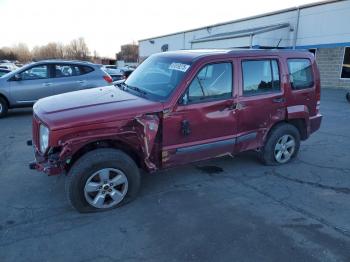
x=9, y=66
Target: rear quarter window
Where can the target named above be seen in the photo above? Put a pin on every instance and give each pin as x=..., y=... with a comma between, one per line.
x=300, y=73
x=85, y=69
x=71, y=70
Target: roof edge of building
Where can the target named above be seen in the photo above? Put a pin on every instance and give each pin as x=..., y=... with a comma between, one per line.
x=248, y=18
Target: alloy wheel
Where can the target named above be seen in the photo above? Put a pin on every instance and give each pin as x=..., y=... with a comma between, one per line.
x=284, y=149
x=106, y=188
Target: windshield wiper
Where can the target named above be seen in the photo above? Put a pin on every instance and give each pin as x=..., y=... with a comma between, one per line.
x=138, y=90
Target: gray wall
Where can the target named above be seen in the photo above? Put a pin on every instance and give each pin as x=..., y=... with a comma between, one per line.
x=329, y=61
x=325, y=23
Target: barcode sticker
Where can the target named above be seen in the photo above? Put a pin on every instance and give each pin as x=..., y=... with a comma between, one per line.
x=179, y=67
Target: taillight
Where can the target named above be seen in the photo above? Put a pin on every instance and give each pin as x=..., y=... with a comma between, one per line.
x=318, y=106
x=318, y=100
x=108, y=78
x=318, y=95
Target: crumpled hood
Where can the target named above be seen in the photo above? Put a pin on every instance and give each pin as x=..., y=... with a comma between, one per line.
x=91, y=106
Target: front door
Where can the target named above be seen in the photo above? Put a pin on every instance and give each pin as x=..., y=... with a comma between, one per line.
x=203, y=124
x=32, y=84
x=67, y=78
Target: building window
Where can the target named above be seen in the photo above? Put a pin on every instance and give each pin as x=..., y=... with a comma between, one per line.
x=300, y=73
x=345, y=72
x=260, y=76
x=313, y=50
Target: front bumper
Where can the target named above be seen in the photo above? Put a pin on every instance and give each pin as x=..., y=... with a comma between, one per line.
x=50, y=165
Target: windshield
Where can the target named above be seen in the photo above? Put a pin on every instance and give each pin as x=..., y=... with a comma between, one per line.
x=157, y=77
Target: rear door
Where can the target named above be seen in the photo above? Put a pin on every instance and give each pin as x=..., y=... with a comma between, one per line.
x=203, y=124
x=302, y=83
x=261, y=101
x=68, y=78
x=33, y=83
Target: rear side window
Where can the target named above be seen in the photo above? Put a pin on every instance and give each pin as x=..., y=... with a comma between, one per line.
x=300, y=73
x=214, y=81
x=66, y=70
x=85, y=69
x=260, y=76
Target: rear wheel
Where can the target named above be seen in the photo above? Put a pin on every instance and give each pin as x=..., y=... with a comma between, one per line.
x=101, y=180
x=3, y=107
x=282, y=145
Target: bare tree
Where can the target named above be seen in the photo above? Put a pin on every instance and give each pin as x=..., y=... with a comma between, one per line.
x=50, y=51
x=7, y=54
x=77, y=49
x=22, y=52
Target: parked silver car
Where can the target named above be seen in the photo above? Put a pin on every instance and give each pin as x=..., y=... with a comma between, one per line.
x=4, y=71
x=24, y=86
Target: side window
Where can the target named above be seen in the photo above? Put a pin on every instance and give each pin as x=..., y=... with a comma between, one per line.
x=260, y=76
x=66, y=70
x=300, y=73
x=63, y=70
x=36, y=72
x=214, y=81
x=85, y=69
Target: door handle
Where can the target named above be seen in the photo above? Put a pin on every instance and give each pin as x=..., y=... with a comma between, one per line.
x=47, y=84
x=185, y=127
x=279, y=100
x=307, y=97
x=234, y=106
x=238, y=106
x=81, y=81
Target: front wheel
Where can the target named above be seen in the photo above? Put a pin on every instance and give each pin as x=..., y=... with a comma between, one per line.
x=102, y=179
x=282, y=145
x=3, y=107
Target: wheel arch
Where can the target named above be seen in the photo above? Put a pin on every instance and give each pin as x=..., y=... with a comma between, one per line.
x=298, y=123
x=6, y=100
x=107, y=143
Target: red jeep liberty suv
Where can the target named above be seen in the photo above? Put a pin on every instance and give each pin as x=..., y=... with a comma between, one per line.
x=176, y=108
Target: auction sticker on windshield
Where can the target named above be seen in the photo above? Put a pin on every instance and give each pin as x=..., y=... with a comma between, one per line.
x=179, y=67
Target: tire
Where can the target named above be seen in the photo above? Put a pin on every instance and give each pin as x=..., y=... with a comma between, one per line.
x=280, y=139
x=348, y=96
x=89, y=170
x=3, y=107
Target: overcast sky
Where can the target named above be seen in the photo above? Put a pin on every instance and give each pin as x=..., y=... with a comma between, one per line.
x=107, y=24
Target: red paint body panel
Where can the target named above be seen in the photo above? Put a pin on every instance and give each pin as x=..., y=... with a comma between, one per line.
x=154, y=131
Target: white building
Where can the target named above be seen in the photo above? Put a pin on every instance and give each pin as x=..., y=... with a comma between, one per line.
x=323, y=28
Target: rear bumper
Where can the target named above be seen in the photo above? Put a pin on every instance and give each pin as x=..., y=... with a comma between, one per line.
x=314, y=123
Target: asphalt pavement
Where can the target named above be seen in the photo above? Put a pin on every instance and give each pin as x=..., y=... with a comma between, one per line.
x=219, y=210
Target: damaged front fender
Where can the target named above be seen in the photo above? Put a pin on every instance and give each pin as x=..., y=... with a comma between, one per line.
x=147, y=128
x=138, y=135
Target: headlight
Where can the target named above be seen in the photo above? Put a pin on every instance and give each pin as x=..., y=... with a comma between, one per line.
x=44, y=138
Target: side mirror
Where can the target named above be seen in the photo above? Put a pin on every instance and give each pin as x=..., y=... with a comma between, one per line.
x=184, y=99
